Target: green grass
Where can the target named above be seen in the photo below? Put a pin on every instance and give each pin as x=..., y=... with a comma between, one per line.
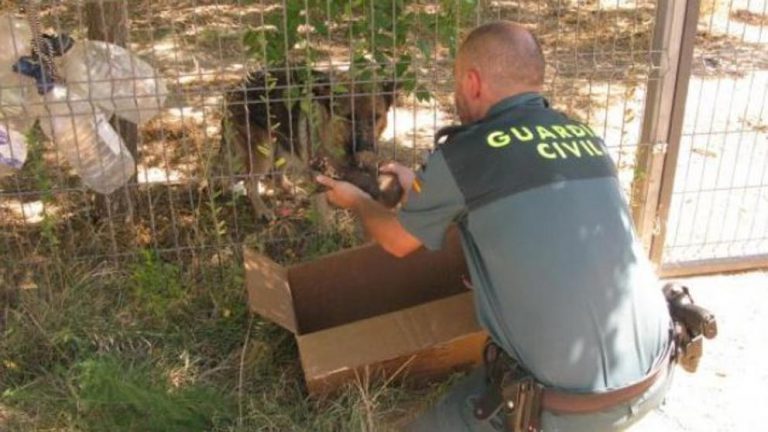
x=109, y=394
x=165, y=343
x=152, y=341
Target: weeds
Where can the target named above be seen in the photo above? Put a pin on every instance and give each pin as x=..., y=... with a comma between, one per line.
x=156, y=286
x=107, y=394
x=116, y=396
x=154, y=343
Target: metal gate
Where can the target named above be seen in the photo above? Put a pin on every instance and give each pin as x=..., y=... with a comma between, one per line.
x=702, y=184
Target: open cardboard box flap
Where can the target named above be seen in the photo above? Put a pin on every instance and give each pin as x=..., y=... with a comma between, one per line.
x=362, y=307
x=269, y=294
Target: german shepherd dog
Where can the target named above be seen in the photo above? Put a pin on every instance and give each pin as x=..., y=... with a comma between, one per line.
x=279, y=122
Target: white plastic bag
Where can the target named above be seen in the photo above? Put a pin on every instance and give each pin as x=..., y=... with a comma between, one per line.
x=13, y=150
x=101, y=79
x=20, y=103
x=82, y=133
x=114, y=79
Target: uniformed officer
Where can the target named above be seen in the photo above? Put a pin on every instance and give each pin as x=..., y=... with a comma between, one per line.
x=560, y=282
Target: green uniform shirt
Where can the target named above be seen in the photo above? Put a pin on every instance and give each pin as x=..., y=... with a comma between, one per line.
x=560, y=280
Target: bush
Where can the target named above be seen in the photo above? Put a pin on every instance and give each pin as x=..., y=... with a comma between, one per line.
x=381, y=36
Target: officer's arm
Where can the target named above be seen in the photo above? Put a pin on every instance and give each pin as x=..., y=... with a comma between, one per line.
x=383, y=226
x=381, y=223
x=434, y=202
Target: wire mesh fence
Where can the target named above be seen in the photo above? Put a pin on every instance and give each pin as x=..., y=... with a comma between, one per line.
x=719, y=211
x=188, y=199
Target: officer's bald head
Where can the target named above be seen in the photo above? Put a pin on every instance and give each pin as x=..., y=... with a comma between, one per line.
x=506, y=59
x=507, y=53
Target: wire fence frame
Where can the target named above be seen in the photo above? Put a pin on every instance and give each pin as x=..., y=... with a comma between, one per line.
x=722, y=150
x=601, y=61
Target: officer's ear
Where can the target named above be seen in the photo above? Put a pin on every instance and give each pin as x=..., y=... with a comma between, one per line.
x=473, y=84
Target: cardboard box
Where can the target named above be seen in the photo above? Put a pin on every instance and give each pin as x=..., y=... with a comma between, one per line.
x=364, y=312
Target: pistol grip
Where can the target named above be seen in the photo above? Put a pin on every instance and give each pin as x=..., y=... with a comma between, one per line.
x=699, y=319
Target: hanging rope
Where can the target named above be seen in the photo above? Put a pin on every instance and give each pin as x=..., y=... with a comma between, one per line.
x=41, y=46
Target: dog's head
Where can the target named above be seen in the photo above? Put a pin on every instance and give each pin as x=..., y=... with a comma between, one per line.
x=360, y=116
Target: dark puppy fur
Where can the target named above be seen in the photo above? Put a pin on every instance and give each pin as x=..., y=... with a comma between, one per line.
x=270, y=128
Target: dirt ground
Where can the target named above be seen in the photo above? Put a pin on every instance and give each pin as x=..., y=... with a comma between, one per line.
x=727, y=392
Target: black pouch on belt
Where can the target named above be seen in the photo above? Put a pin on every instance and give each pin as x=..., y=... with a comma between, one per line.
x=511, y=391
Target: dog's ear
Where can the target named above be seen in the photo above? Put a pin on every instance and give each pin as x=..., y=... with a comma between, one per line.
x=389, y=92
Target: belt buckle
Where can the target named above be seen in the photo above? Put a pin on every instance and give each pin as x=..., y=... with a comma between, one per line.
x=523, y=404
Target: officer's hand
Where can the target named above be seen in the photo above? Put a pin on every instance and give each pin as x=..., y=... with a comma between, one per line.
x=404, y=174
x=342, y=194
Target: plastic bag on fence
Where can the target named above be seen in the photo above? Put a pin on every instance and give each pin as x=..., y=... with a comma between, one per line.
x=82, y=133
x=20, y=106
x=13, y=150
x=100, y=79
x=20, y=103
x=114, y=79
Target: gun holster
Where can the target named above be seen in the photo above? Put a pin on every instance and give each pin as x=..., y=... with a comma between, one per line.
x=692, y=323
x=512, y=392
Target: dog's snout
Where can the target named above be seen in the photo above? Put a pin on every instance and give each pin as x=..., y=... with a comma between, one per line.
x=363, y=145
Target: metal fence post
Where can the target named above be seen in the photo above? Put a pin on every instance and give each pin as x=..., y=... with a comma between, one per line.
x=673, y=42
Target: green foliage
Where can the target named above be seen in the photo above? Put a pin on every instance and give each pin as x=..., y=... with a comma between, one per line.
x=116, y=396
x=88, y=351
x=380, y=35
x=35, y=163
x=107, y=394
x=156, y=286
x=326, y=243
x=42, y=181
x=83, y=356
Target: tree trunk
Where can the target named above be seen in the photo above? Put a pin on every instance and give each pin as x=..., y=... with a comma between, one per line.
x=107, y=20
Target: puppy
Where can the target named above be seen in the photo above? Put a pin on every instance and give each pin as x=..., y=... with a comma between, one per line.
x=288, y=121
